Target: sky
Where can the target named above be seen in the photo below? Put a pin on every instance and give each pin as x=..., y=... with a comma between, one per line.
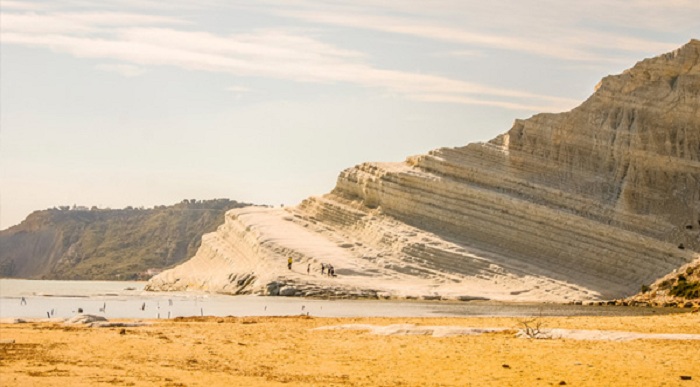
x=143, y=103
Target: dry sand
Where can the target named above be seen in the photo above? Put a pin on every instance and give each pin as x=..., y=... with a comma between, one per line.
x=272, y=351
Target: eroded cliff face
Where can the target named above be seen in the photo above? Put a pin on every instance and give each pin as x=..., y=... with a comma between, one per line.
x=588, y=204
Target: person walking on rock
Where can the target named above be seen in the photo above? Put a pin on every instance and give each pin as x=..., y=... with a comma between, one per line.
x=289, y=263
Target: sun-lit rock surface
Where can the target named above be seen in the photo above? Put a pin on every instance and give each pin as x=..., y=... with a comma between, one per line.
x=587, y=204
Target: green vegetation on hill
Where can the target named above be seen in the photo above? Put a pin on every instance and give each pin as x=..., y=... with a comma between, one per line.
x=686, y=285
x=682, y=287
x=105, y=244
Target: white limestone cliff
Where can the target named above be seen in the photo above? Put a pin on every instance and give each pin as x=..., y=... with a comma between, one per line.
x=583, y=205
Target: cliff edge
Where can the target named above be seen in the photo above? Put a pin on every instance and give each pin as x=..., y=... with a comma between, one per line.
x=584, y=205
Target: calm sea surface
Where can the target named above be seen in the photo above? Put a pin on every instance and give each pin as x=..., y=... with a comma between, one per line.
x=62, y=299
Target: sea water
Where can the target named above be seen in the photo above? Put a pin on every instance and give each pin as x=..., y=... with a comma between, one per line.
x=64, y=299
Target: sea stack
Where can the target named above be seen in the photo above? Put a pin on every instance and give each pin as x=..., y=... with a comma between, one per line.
x=584, y=205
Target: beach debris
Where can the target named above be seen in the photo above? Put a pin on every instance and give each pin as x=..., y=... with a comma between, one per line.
x=95, y=321
x=506, y=366
x=84, y=319
x=562, y=383
x=686, y=377
x=534, y=329
x=122, y=331
x=12, y=341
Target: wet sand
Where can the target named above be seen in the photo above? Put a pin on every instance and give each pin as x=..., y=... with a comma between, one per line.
x=275, y=351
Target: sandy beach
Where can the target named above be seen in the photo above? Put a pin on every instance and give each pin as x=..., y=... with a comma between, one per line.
x=293, y=351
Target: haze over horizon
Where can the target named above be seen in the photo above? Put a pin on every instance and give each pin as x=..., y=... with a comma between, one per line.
x=138, y=103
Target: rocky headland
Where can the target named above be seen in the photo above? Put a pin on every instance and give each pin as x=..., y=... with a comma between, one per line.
x=78, y=243
x=590, y=204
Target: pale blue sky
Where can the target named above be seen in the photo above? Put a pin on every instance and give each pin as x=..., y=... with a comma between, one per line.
x=142, y=103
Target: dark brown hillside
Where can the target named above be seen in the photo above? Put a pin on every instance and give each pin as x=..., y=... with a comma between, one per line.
x=107, y=244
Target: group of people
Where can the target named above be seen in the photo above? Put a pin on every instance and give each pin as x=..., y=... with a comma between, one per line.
x=326, y=268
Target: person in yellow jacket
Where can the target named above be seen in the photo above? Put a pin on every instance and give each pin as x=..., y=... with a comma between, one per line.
x=289, y=263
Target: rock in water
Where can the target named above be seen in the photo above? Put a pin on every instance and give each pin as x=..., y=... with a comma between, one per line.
x=582, y=205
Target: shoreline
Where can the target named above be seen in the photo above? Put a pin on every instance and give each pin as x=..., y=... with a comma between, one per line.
x=111, y=300
x=113, y=288
x=172, y=306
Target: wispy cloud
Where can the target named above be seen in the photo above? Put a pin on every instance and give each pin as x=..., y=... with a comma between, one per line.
x=19, y=5
x=238, y=89
x=125, y=70
x=595, y=31
x=71, y=23
x=143, y=40
x=461, y=54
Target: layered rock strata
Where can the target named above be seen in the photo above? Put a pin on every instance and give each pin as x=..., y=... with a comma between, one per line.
x=583, y=205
